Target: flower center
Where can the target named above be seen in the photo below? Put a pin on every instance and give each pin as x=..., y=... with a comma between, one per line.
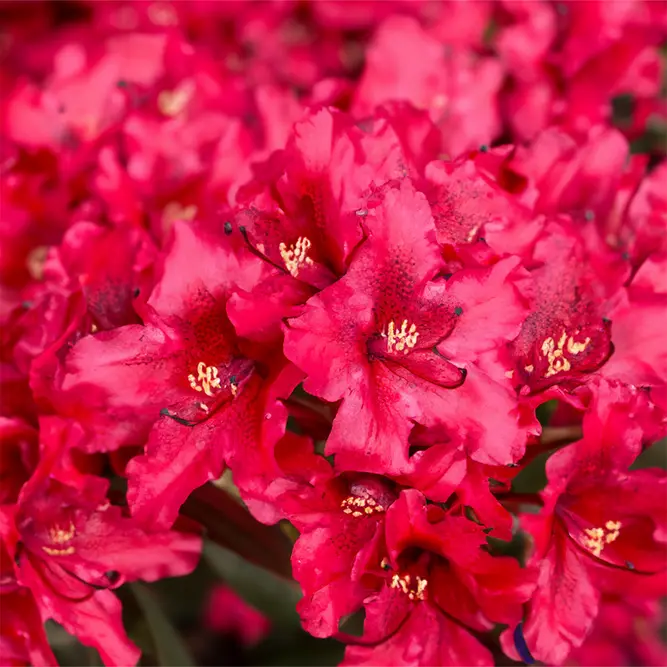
x=595, y=539
x=60, y=536
x=296, y=256
x=415, y=588
x=207, y=379
x=555, y=352
x=361, y=506
x=172, y=102
x=403, y=339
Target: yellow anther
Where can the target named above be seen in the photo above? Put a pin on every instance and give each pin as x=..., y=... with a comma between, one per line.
x=595, y=539
x=60, y=535
x=555, y=352
x=176, y=211
x=172, y=102
x=354, y=504
x=296, y=255
x=404, y=583
x=573, y=347
x=68, y=551
x=207, y=379
x=403, y=339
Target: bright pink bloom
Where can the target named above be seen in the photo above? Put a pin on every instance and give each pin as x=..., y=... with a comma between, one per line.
x=438, y=590
x=399, y=348
x=457, y=86
x=71, y=546
x=597, y=515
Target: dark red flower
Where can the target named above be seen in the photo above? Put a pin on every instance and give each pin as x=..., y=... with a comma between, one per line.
x=568, y=334
x=303, y=209
x=340, y=519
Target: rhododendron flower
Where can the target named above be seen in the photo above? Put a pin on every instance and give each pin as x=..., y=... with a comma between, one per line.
x=596, y=515
x=439, y=590
x=70, y=547
x=228, y=613
x=372, y=295
x=456, y=86
x=387, y=351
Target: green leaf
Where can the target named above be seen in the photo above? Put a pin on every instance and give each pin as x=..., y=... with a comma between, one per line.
x=275, y=597
x=654, y=456
x=170, y=649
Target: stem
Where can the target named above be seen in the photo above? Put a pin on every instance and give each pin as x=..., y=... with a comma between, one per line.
x=559, y=435
x=230, y=525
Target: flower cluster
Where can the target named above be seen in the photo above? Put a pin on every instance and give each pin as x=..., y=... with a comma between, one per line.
x=350, y=252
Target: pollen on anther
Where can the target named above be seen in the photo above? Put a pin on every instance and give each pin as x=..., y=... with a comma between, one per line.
x=206, y=380
x=296, y=255
x=358, y=507
x=403, y=339
x=405, y=583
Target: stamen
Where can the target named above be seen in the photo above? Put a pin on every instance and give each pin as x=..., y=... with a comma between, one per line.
x=403, y=339
x=358, y=506
x=404, y=583
x=207, y=379
x=596, y=539
x=60, y=536
x=295, y=256
x=171, y=103
x=176, y=211
x=555, y=355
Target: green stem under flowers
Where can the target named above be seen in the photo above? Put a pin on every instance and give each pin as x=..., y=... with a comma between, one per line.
x=230, y=525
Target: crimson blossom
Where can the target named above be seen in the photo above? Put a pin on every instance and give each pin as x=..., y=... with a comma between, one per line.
x=371, y=294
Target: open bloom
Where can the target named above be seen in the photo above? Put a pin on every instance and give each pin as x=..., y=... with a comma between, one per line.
x=438, y=590
x=398, y=347
x=602, y=526
x=70, y=547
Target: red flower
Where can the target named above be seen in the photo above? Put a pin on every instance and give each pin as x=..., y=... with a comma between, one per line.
x=597, y=515
x=626, y=632
x=228, y=613
x=22, y=637
x=304, y=207
x=185, y=369
x=440, y=590
x=71, y=547
x=455, y=85
x=396, y=346
x=568, y=334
